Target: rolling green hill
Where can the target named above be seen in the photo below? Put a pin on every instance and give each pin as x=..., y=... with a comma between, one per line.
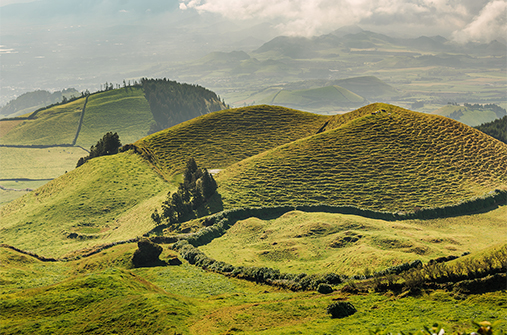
x=472, y=115
x=317, y=99
x=55, y=125
x=107, y=199
x=124, y=111
x=300, y=242
x=392, y=160
x=222, y=138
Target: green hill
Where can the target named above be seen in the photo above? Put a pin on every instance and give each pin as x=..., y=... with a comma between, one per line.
x=391, y=160
x=107, y=199
x=472, y=115
x=55, y=125
x=124, y=111
x=222, y=138
x=317, y=99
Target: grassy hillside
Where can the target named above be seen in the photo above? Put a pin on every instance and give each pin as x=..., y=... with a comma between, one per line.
x=55, y=125
x=124, y=111
x=467, y=115
x=219, y=139
x=393, y=160
x=107, y=199
x=299, y=242
x=369, y=87
x=32, y=163
x=102, y=294
x=316, y=99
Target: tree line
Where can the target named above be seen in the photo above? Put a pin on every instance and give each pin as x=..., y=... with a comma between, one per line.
x=172, y=103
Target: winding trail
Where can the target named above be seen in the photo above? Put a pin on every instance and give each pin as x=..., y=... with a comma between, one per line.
x=80, y=122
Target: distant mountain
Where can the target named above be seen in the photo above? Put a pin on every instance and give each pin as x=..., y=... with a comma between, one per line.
x=30, y=101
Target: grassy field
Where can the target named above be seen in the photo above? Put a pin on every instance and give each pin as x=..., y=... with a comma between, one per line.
x=393, y=160
x=222, y=138
x=47, y=163
x=299, y=242
x=107, y=199
x=55, y=125
x=103, y=294
x=125, y=111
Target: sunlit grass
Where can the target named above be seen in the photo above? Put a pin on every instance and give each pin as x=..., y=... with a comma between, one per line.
x=393, y=160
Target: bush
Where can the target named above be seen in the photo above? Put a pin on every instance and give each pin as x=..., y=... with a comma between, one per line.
x=340, y=309
x=146, y=254
x=324, y=289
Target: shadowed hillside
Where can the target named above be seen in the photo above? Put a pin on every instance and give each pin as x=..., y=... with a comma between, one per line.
x=222, y=138
x=391, y=160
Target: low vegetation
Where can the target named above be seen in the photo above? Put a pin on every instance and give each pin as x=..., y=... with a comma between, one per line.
x=390, y=160
x=219, y=139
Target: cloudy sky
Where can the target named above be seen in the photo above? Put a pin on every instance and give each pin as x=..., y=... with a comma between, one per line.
x=462, y=20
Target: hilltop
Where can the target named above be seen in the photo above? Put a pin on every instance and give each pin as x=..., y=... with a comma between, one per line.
x=220, y=139
x=48, y=142
x=378, y=157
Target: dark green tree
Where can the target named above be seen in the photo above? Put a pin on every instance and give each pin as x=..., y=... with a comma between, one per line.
x=107, y=145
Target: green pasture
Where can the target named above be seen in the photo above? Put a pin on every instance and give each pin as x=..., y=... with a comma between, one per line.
x=107, y=199
x=125, y=111
x=55, y=125
x=32, y=163
x=393, y=160
x=299, y=242
x=104, y=294
x=219, y=139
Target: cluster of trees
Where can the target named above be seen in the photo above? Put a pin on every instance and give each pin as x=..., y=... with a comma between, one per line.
x=172, y=103
x=496, y=128
x=197, y=187
x=499, y=111
x=107, y=145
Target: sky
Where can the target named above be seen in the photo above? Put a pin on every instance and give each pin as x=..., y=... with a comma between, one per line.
x=461, y=20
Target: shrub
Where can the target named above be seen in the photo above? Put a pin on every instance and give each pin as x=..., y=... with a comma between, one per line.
x=146, y=254
x=324, y=288
x=340, y=309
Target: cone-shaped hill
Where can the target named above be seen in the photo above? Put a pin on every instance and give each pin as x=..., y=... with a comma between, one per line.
x=219, y=139
x=378, y=157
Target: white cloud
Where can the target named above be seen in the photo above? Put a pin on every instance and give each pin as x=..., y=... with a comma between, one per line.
x=490, y=24
x=312, y=17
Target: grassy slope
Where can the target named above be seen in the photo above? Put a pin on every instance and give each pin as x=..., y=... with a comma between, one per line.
x=55, y=125
x=44, y=163
x=107, y=199
x=300, y=242
x=471, y=117
x=222, y=138
x=369, y=87
x=123, y=111
x=394, y=160
x=101, y=294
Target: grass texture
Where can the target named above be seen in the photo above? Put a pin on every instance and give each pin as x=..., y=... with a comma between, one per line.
x=299, y=242
x=55, y=125
x=107, y=199
x=125, y=111
x=394, y=160
x=103, y=294
x=219, y=139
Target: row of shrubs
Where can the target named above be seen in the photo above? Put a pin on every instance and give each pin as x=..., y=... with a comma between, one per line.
x=262, y=275
x=217, y=224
